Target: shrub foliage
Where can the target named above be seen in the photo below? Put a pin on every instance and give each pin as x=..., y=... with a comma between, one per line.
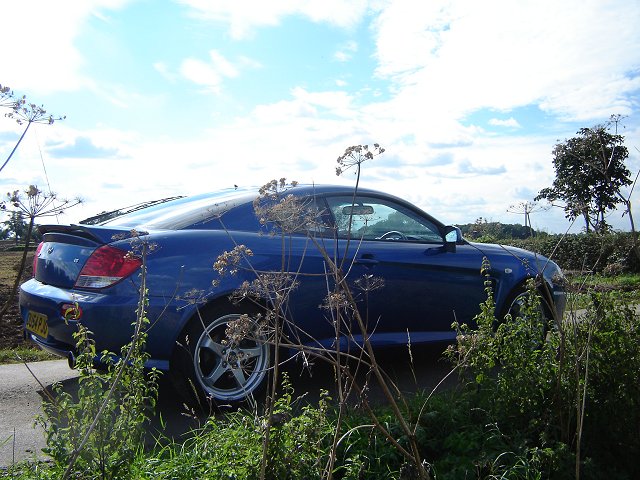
x=611, y=253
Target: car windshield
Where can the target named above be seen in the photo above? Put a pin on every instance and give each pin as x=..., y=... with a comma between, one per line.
x=183, y=212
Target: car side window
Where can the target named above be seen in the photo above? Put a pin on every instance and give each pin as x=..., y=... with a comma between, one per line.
x=315, y=218
x=370, y=218
x=303, y=216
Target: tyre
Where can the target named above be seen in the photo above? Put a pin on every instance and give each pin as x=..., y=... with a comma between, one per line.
x=222, y=357
x=516, y=306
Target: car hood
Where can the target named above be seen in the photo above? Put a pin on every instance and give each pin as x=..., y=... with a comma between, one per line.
x=495, y=249
x=495, y=252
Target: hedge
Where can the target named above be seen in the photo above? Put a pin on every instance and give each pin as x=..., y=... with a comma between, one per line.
x=609, y=254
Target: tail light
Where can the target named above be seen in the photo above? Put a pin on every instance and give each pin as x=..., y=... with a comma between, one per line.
x=35, y=258
x=105, y=267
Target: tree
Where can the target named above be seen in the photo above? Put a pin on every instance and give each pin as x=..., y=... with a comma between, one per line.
x=590, y=173
x=15, y=227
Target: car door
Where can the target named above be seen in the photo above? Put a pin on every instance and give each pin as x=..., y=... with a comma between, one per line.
x=425, y=284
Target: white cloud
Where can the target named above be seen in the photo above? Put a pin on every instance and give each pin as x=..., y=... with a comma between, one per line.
x=594, y=101
x=209, y=74
x=336, y=102
x=243, y=17
x=163, y=69
x=573, y=58
x=201, y=73
x=408, y=35
x=39, y=37
x=222, y=65
x=509, y=122
x=346, y=51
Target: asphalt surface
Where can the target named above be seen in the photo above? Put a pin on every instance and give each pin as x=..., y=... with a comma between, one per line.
x=22, y=394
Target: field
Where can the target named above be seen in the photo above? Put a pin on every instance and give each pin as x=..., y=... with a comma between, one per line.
x=11, y=323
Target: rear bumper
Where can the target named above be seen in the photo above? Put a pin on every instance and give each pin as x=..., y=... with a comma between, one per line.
x=70, y=354
x=61, y=350
x=109, y=318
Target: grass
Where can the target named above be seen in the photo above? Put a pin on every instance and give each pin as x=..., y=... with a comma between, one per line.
x=582, y=286
x=230, y=445
x=625, y=281
x=24, y=354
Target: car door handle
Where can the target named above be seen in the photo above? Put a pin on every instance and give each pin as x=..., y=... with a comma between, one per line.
x=366, y=259
x=434, y=251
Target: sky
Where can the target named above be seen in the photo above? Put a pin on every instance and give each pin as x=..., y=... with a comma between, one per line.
x=166, y=98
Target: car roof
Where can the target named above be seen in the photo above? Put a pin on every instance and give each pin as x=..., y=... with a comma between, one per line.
x=187, y=212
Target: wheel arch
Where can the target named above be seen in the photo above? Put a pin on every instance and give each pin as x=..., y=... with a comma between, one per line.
x=188, y=380
x=219, y=304
x=543, y=289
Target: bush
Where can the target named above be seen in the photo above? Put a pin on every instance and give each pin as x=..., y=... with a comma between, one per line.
x=570, y=398
x=612, y=412
x=611, y=253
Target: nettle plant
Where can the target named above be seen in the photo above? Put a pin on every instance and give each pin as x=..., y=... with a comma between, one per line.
x=345, y=304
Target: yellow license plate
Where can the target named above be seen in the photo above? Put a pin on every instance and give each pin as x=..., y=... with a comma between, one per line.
x=37, y=323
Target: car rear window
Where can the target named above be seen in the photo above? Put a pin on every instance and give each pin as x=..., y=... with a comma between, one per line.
x=185, y=212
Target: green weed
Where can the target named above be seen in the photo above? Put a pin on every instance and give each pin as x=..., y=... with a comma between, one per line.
x=231, y=446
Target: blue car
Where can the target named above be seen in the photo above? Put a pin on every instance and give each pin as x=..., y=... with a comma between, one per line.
x=425, y=275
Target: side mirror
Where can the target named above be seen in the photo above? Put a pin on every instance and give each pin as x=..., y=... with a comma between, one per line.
x=452, y=236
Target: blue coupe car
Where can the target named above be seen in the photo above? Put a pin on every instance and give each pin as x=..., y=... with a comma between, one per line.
x=427, y=276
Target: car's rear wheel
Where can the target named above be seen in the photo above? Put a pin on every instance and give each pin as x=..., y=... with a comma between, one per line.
x=225, y=356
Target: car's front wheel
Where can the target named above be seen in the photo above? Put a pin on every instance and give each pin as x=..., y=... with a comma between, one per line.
x=225, y=356
x=518, y=306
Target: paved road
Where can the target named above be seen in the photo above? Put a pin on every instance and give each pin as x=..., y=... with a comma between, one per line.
x=21, y=402
x=21, y=395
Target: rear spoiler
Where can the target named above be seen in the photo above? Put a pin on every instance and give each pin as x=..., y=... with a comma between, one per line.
x=90, y=232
